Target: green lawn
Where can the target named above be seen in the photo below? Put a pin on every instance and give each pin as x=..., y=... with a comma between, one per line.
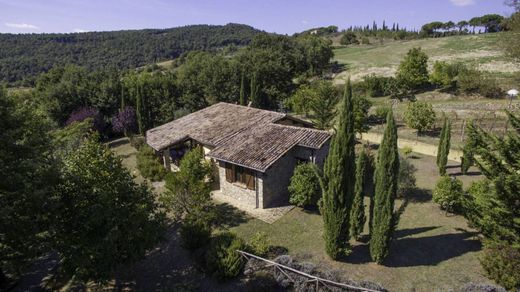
x=482, y=51
x=432, y=251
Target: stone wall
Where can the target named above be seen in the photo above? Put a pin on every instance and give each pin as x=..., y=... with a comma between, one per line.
x=240, y=193
x=271, y=186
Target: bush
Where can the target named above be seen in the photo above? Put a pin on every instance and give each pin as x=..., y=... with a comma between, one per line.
x=149, y=165
x=381, y=112
x=222, y=260
x=448, y=193
x=349, y=38
x=471, y=81
x=407, y=179
x=88, y=112
x=125, y=121
x=419, y=115
x=260, y=244
x=501, y=261
x=444, y=74
x=377, y=86
x=195, y=233
x=365, y=41
x=304, y=188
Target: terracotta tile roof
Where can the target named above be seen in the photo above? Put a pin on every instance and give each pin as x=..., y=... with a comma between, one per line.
x=259, y=147
x=242, y=135
x=210, y=125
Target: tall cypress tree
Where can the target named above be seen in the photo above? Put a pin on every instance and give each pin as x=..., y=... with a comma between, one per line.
x=386, y=180
x=139, y=110
x=357, y=214
x=338, y=181
x=441, y=141
x=254, y=96
x=445, y=149
x=242, y=92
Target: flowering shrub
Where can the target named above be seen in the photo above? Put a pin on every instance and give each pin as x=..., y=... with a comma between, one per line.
x=125, y=121
x=88, y=112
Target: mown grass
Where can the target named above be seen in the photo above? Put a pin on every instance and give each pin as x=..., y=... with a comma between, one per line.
x=383, y=59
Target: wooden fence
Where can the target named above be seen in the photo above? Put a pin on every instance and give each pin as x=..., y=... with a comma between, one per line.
x=285, y=270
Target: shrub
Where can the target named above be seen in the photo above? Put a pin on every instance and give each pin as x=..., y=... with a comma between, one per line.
x=149, y=165
x=125, y=121
x=349, y=38
x=448, y=193
x=407, y=179
x=444, y=74
x=471, y=81
x=304, y=188
x=195, y=233
x=222, y=260
x=419, y=115
x=501, y=261
x=365, y=41
x=88, y=112
x=259, y=244
x=377, y=86
x=381, y=112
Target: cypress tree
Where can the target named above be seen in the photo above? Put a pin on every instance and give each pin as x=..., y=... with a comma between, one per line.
x=358, y=207
x=254, y=96
x=139, y=110
x=386, y=180
x=338, y=181
x=242, y=92
x=441, y=141
x=445, y=149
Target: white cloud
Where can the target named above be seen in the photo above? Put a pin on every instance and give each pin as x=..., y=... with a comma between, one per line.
x=79, y=30
x=462, y=3
x=21, y=25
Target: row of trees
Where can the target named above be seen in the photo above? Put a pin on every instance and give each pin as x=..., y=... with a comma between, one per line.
x=490, y=23
x=345, y=182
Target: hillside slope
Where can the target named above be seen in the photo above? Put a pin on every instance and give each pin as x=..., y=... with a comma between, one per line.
x=23, y=56
x=481, y=51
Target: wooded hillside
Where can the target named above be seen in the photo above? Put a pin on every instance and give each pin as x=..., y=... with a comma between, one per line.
x=23, y=56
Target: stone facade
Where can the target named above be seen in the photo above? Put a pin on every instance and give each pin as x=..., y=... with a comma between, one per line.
x=271, y=187
x=239, y=192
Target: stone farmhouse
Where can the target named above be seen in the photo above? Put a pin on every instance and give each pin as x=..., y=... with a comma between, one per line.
x=254, y=151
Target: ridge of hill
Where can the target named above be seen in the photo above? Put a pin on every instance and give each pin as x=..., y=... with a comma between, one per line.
x=23, y=56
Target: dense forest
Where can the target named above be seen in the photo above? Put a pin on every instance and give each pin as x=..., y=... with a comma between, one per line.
x=24, y=56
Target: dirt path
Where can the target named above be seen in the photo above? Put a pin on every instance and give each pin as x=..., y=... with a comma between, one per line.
x=417, y=146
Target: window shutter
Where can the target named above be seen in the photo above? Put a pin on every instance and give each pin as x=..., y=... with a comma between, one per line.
x=250, y=180
x=229, y=172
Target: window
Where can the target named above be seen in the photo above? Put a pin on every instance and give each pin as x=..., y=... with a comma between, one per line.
x=241, y=175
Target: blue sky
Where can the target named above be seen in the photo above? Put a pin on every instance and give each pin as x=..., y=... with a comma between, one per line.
x=281, y=16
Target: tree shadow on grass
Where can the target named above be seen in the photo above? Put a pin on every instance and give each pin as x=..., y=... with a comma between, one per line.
x=419, y=195
x=408, y=251
x=469, y=173
x=227, y=216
